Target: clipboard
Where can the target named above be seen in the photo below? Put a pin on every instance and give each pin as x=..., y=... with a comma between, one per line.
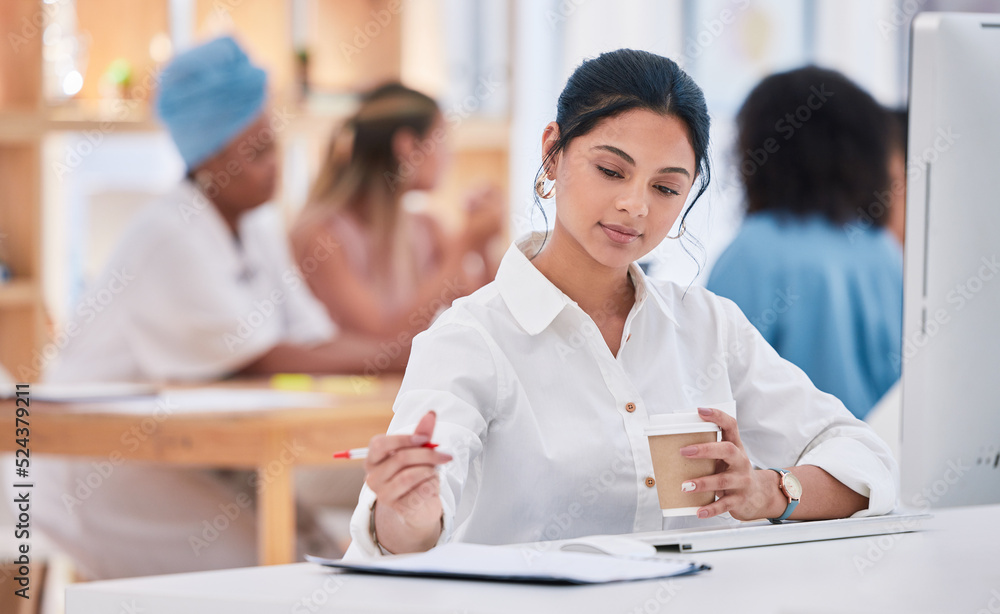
x=534, y=564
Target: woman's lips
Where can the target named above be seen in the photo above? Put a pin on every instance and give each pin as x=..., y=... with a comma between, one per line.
x=620, y=234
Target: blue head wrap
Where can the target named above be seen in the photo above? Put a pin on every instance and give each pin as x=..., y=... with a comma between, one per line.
x=208, y=95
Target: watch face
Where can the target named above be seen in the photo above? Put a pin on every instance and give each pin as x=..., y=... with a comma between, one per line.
x=792, y=486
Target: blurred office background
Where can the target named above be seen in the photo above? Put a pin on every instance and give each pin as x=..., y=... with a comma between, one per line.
x=495, y=65
x=80, y=151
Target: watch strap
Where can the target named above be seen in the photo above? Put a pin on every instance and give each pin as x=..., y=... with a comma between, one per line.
x=792, y=503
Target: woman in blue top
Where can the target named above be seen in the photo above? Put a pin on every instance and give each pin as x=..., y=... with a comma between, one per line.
x=813, y=267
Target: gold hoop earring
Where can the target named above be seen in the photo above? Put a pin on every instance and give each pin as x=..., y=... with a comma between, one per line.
x=680, y=232
x=540, y=185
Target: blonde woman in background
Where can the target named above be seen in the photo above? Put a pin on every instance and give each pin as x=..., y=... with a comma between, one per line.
x=381, y=270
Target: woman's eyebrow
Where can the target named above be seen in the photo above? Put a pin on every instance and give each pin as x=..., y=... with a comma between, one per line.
x=624, y=156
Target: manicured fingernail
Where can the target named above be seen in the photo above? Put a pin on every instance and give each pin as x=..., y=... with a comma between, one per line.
x=419, y=440
x=687, y=487
x=689, y=450
x=702, y=513
x=705, y=411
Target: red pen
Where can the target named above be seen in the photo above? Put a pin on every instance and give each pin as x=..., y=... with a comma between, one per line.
x=363, y=452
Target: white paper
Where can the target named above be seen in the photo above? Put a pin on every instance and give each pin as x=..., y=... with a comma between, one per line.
x=519, y=563
x=76, y=393
x=207, y=400
x=228, y=399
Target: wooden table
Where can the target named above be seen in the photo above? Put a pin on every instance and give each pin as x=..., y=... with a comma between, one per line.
x=250, y=439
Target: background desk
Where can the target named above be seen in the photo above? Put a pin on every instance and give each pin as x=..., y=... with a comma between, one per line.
x=953, y=566
x=250, y=439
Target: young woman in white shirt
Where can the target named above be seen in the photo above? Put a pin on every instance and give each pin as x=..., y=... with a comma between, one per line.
x=538, y=386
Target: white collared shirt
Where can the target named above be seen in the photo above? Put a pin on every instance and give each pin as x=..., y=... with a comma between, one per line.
x=181, y=299
x=536, y=410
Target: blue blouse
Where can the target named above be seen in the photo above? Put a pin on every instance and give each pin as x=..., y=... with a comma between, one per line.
x=828, y=298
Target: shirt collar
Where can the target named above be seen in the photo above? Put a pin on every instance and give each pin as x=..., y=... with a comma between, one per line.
x=534, y=301
x=658, y=299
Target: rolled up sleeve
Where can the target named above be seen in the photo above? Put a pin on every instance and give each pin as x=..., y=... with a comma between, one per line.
x=452, y=370
x=784, y=420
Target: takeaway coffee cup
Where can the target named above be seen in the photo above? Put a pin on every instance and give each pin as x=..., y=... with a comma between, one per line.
x=667, y=434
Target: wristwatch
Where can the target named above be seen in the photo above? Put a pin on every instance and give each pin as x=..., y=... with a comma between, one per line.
x=791, y=488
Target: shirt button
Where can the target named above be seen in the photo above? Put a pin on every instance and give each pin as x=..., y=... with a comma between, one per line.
x=630, y=407
x=650, y=482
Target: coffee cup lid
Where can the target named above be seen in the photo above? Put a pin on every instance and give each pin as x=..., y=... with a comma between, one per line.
x=681, y=422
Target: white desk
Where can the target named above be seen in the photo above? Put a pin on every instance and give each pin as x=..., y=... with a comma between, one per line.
x=953, y=566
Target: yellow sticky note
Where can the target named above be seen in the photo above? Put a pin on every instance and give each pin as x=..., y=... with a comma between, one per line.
x=299, y=382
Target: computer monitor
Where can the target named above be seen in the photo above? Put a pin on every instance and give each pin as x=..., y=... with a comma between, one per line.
x=950, y=449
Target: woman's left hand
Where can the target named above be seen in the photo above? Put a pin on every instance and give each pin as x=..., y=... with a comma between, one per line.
x=746, y=493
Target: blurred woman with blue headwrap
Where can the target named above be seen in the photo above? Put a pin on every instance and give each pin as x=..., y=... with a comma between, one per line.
x=202, y=286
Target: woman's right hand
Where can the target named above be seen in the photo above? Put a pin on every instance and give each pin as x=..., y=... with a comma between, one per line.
x=401, y=473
